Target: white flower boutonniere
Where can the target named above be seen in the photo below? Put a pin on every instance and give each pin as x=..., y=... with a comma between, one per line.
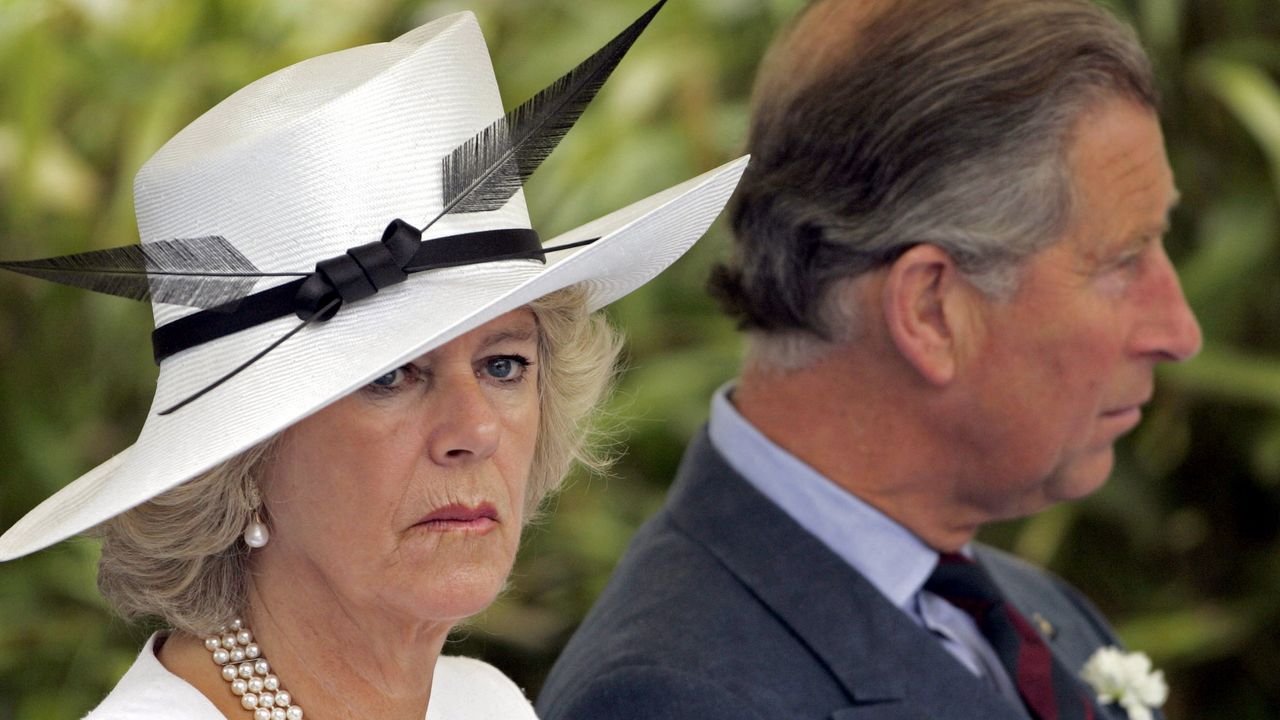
x=1126, y=678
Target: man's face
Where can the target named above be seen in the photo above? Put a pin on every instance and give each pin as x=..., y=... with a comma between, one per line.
x=1064, y=367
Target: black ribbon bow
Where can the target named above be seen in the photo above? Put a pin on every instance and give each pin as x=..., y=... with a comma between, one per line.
x=358, y=274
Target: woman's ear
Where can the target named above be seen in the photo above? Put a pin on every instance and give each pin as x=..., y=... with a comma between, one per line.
x=923, y=301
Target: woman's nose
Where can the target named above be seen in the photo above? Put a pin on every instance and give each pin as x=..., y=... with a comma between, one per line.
x=464, y=425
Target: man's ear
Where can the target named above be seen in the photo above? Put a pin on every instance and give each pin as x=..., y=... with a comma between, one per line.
x=922, y=299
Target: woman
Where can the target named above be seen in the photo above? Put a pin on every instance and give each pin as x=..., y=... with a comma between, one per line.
x=349, y=432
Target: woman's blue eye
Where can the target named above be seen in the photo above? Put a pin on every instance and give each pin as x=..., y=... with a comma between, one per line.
x=505, y=368
x=390, y=380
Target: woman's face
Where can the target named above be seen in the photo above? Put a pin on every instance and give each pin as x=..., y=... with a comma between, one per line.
x=407, y=495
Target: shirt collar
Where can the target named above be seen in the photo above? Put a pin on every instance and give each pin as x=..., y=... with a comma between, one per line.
x=888, y=555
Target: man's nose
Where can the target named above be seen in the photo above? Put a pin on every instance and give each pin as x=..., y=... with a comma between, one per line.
x=1169, y=330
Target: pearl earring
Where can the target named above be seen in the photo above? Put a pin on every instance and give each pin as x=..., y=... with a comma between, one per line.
x=256, y=535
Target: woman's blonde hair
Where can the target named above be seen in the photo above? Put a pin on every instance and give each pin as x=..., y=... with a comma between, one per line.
x=180, y=556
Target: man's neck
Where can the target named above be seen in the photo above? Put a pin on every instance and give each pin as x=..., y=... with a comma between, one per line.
x=858, y=429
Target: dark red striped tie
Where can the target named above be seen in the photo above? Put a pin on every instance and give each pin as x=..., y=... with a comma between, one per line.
x=1049, y=691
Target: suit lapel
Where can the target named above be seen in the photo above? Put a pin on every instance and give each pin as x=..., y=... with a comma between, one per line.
x=876, y=653
x=1062, y=628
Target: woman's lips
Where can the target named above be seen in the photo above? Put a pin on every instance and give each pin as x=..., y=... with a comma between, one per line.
x=461, y=518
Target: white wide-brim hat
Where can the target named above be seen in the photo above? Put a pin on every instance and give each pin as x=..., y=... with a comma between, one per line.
x=301, y=166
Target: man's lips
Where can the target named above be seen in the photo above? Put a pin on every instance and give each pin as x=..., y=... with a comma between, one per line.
x=458, y=517
x=1134, y=406
x=1124, y=418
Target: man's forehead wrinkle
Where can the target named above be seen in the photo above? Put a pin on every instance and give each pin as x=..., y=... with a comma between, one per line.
x=1132, y=172
x=1137, y=181
x=1125, y=165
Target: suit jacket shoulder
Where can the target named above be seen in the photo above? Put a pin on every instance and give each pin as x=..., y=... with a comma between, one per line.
x=724, y=607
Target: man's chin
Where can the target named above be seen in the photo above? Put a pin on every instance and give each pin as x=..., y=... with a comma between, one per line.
x=1084, y=476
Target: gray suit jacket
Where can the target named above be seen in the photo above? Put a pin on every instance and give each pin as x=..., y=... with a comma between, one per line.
x=725, y=608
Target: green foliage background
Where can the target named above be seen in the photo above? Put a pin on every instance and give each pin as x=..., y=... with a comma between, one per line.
x=1181, y=549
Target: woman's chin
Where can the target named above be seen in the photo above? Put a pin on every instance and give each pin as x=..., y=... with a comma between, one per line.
x=456, y=603
x=447, y=594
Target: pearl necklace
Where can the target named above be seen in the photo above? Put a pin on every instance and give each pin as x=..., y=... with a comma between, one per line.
x=249, y=674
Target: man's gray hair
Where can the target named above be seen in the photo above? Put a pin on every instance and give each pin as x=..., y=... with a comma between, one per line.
x=879, y=126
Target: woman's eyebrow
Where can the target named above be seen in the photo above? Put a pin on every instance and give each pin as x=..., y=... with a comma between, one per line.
x=518, y=334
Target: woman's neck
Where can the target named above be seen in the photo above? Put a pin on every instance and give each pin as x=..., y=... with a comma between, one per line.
x=336, y=665
x=340, y=662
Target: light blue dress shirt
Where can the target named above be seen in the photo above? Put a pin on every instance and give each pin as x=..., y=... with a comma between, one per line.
x=888, y=555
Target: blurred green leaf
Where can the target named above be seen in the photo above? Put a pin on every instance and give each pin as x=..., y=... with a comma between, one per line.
x=1161, y=23
x=1251, y=95
x=1186, y=636
x=1224, y=374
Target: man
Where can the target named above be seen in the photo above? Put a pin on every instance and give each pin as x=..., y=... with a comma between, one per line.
x=950, y=268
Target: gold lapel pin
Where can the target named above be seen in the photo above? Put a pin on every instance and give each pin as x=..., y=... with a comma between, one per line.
x=1046, y=628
